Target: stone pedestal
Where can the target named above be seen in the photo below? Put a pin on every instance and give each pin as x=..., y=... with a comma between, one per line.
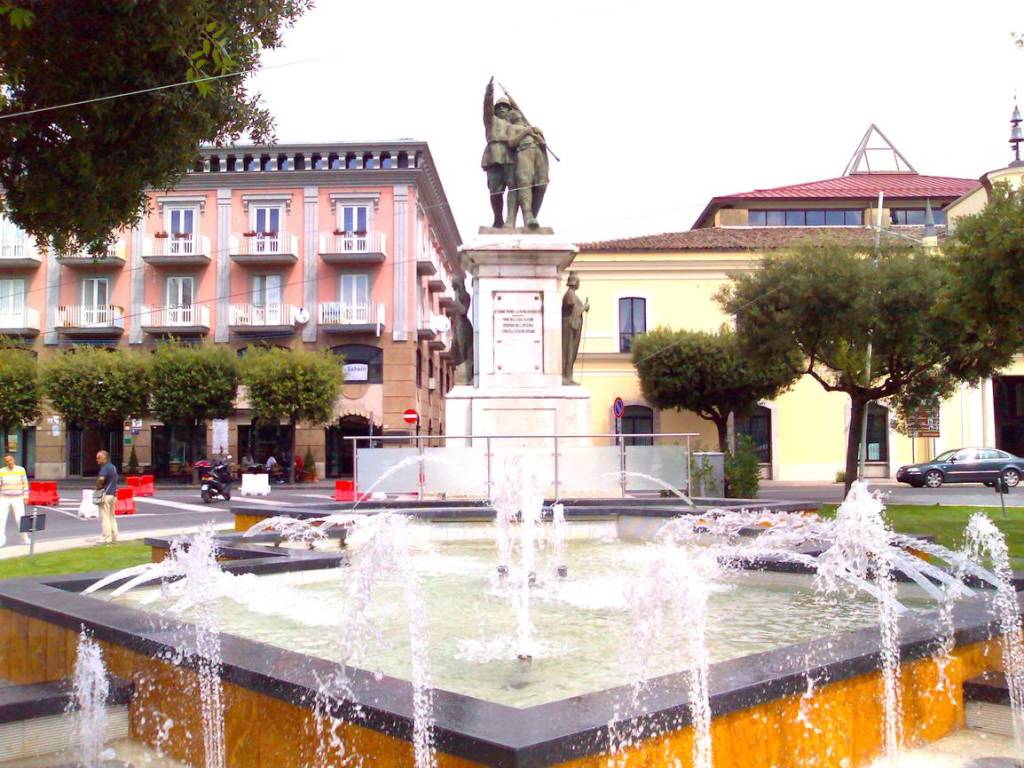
x=517, y=341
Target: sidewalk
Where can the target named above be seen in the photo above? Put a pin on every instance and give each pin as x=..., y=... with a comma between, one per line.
x=75, y=542
x=78, y=483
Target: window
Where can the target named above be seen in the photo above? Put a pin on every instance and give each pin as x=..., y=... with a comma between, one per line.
x=637, y=420
x=878, y=433
x=758, y=426
x=12, y=299
x=801, y=217
x=363, y=363
x=13, y=241
x=266, y=219
x=914, y=216
x=266, y=290
x=181, y=225
x=95, y=300
x=632, y=321
x=419, y=369
x=354, y=290
x=353, y=219
x=180, y=291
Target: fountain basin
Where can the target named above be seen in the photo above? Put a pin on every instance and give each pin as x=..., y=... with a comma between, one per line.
x=756, y=698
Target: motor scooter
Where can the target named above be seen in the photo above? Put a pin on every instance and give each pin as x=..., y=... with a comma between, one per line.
x=214, y=480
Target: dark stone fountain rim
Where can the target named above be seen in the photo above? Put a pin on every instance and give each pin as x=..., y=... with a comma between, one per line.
x=481, y=731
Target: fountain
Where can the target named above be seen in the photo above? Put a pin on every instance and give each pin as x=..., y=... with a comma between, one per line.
x=604, y=639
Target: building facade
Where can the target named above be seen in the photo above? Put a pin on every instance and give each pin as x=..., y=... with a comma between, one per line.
x=640, y=283
x=346, y=247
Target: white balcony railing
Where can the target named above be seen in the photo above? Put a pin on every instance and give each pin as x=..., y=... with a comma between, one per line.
x=339, y=313
x=265, y=244
x=173, y=245
x=87, y=316
x=19, y=318
x=367, y=242
x=113, y=251
x=20, y=249
x=188, y=316
x=259, y=315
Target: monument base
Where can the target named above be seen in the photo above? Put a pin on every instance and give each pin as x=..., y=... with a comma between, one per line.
x=516, y=411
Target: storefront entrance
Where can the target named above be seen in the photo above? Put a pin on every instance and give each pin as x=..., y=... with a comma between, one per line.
x=83, y=444
x=340, y=453
x=173, y=452
x=1008, y=408
x=21, y=442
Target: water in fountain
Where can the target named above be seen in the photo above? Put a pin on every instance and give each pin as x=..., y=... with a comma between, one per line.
x=652, y=479
x=91, y=689
x=558, y=534
x=983, y=538
x=385, y=553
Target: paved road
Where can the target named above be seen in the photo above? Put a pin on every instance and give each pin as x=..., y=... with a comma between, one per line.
x=170, y=508
x=966, y=494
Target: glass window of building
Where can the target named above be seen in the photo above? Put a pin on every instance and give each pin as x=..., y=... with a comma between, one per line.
x=363, y=364
x=632, y=321
x=637, y=420
x=878, y=433
x=914, y=216
x=12, y=301
x=13, y=241
x=806, y=217
x=757, y=426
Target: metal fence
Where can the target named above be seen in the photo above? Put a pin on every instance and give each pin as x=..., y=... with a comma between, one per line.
x=464, y=466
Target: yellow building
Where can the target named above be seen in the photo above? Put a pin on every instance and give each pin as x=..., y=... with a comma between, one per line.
x=671, y=279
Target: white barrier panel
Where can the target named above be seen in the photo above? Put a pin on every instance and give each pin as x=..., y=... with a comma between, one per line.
x=255, y=485
x=87, y=510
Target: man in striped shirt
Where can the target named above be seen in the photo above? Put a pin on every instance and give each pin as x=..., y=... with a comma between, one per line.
x=13, y=495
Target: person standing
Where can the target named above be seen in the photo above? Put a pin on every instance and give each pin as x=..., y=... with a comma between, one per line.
x=106, y=488
x=13, y=495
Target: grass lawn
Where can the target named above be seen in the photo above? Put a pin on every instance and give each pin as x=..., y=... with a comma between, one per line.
x=947, y=524
x=102, y=557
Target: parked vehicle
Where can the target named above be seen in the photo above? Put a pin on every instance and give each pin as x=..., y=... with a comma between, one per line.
x=214, y=479
x=964, y=465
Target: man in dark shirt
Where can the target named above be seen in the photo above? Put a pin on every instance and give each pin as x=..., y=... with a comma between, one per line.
x=106, y=484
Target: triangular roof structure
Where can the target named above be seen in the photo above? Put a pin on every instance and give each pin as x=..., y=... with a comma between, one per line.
x=876, y=154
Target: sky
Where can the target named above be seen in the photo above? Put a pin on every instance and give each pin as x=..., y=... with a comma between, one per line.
x=655, y=107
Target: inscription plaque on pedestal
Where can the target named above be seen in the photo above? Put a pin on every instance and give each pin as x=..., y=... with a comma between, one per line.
x=518, y=332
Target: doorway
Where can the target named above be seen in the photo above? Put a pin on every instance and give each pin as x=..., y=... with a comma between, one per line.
x=340, y=451
x=83, y=444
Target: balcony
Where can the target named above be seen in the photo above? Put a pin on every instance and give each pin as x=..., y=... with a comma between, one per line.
x=261, y=318
x=176, y=251
x=19, y=322
x=113, y=258
x=432, y=328
x=426, y=262
x=450, y=303
x=105, y=321
x=442, y=341
x=19, y=255
x=339, y=317
x=353, y=248
x=189, y=320
x=272, y=249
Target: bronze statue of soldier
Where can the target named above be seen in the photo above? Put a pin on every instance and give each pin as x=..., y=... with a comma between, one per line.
x=462, y=333
x=498, y=161
x=573, y=310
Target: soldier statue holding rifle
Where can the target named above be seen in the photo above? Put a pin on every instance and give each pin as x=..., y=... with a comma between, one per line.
x=515, y=160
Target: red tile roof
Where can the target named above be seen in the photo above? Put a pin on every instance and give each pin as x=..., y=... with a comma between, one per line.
x=853, y=187
x=866, y=185
x=746, y=238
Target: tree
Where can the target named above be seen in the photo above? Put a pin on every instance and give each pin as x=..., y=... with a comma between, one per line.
x=708, y=373
x=77, y=173
x=20, y=391
x=291, y=385
x=826, y=301
x=193, y=384
x=90, y=386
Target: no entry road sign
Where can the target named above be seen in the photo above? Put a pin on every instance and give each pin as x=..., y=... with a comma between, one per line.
x=410, y=416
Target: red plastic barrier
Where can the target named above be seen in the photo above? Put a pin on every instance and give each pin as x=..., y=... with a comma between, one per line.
x=141, y=484
x=125, y=504
x=42, y=492
x=344, y=490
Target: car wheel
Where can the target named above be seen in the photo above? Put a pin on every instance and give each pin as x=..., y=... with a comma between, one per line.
x=933, y=479
x=1011, y=477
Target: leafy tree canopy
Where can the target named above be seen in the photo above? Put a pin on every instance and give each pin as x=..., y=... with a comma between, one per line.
x=20, y=391
x=192, y=384
x=91, y=386
x=710, y=374
x=826, y=301
x=76, y=174
x=291, y=384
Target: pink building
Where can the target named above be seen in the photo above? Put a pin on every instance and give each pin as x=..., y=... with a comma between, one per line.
x=349, y=247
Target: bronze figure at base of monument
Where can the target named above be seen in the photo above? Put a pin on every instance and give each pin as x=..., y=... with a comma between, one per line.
x=573, y=310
